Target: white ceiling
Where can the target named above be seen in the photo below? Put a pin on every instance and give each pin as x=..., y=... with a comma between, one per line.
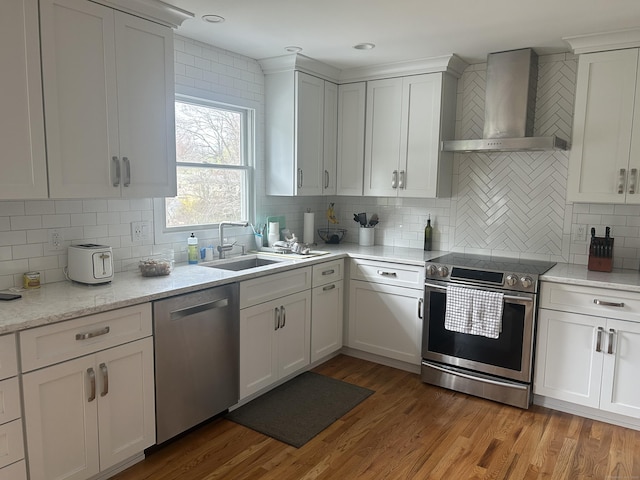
x=401, y=29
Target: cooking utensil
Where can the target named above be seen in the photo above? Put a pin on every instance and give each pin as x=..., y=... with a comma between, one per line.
x=373, y=221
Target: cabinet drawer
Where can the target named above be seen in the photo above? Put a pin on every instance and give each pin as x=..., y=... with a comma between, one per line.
x=15, y=471
x=328, y=272
x=592, y=301
x=269, y=287
x=401, y=275
x=8, y=359
x=55, y=343
x=11, y=444
x=9, y=400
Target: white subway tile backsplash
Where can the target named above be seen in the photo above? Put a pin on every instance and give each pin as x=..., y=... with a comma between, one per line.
x=82, y=219
x=26, y=222
x=39, y=207
x=56, y=221
x=11, y=208
x=68, y=206
x=27, y=251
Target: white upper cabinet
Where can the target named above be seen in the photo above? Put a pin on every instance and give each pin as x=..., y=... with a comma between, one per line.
x=301, y=118
x=351, y=115
x=23, y=160
x=109, y=102
x=406, y=120
x=604, y=162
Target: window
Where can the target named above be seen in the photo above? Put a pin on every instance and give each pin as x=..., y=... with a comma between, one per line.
x=213, y=167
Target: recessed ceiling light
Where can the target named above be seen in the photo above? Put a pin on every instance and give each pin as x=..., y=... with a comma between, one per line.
x=364, y=46
x=213, y=18
x=293, y=49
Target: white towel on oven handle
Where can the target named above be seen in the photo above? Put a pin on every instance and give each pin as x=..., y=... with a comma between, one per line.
x=458, y=309
x=472, y=311
x=486, y=318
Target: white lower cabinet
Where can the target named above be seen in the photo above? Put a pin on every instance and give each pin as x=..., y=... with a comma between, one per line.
x=274, y=341
x=385, y=309
x=586, y=359
x=87, y=414
x=326, y=319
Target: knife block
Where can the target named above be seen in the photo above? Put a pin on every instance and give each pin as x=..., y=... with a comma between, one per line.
x=601, y=254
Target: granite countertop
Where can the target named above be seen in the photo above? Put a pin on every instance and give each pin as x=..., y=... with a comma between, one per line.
x=618, y=279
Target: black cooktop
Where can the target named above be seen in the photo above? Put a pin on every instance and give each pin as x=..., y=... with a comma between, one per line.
x=491, y=263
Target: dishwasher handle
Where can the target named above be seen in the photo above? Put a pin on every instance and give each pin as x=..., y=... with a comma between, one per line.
x=185, y=312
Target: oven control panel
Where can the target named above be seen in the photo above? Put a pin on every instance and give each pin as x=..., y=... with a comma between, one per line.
x=521, y=282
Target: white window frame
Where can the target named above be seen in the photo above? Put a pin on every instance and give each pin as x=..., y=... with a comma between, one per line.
x=162, y=234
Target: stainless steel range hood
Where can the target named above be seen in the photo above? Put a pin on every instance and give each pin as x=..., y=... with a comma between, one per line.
x=510, y=99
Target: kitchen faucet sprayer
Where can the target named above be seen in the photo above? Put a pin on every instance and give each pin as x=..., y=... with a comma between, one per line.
x=225, y=247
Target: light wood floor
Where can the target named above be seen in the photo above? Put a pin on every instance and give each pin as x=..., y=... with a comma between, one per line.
x=407, y=430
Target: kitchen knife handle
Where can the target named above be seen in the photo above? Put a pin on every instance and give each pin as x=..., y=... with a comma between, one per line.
x=401, y=182
x=621, y=181
x=612, y=333
x=116, y=179
x=92, y=383
x=127, y=170
x=105, y=379
x=633, y=180
x=394, y=179
x=299, y=178
x=599, y=339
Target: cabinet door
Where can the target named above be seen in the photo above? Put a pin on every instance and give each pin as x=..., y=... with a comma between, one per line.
x=351, y=112
x=81, y=110
x=330, y=138
x=146, y=118
x=599, y=157
x=126, y=414
x=61, y=425
x=23, y=161
x=309, y=125
x=385, y=320
x=258, y=350
x=420, y=137
x=326, y=319
x=382, y=138
x=620, y=386
x=568, y=367
x=294, y=336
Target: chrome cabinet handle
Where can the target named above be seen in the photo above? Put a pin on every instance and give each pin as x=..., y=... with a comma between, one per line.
x=300, y=178
x=612, y=333
x=420, y=308
x=608, y=304
x=401, y=182
x=621, y=181
x=328, y=287
x=394, y=179
x=127, y=168
x=277, y=318
x=326, y=179
x=92, y=382
x=387, y=274
x=633, y=180
x=599, y=339
x=329, y=272
x=116, y=180
x=95, y=333
x=105, y=379
x=284, y=316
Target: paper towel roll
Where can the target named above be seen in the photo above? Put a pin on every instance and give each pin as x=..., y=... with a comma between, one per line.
x=308, y=228
x=274, y=233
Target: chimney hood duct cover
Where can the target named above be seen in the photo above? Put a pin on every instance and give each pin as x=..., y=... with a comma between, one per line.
x=510, y=100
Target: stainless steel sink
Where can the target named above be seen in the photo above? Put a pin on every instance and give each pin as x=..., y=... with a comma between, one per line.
x=245, y=262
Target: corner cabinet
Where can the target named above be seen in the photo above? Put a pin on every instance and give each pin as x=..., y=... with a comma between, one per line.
x=406, y=120
x=88, y=393
x=588, y=353
x=301, y=130
x=23, y=160
x=352, y=98
x=604, y=163
x=109, y=102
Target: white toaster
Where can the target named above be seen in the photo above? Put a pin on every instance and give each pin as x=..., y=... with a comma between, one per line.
x=90, y=263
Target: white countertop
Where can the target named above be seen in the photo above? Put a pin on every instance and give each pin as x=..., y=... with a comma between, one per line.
x=55, y=302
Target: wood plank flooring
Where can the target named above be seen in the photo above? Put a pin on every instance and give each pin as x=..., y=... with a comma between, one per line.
x=407, y=430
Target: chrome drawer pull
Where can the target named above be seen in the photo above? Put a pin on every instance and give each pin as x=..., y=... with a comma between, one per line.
x=127, y=178
x=621, y=181
x=284, y=316
x=96, y=333
x=277, y=318
x=387, y=274
x=599, y=339
x=328, y=287
x=328, y=272
x=608, y=304
x=105, y=379
x=611, y=335
x=92, y=380
x=116, y=177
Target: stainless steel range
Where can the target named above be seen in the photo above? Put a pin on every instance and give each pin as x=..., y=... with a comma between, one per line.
x=498, y=367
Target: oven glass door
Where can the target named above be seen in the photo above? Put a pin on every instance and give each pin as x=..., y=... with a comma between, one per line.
x=507, y=356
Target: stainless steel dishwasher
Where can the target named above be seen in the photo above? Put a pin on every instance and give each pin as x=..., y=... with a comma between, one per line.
x=196, y=338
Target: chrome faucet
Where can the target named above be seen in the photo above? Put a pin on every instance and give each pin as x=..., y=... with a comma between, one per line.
x=225, y=247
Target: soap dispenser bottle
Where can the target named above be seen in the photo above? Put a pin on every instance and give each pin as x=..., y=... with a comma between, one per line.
x=192, y=249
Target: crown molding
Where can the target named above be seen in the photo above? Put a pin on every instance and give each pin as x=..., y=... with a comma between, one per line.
x=154, y=10
x=599, y=42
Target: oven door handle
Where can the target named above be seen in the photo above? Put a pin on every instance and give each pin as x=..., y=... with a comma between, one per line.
x=477, y=379
x=506, y=297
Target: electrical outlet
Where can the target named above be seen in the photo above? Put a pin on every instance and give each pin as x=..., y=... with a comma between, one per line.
x=56, y=242
x=140, y=230
x=580, y=233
